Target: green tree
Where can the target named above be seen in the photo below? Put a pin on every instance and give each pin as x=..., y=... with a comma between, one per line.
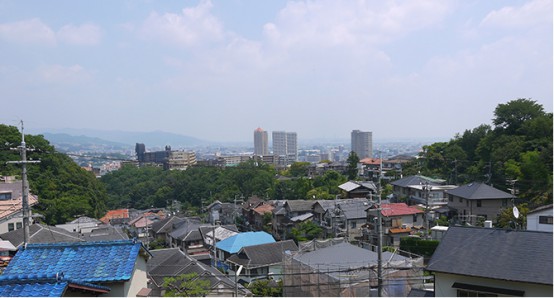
x=307, y=230
x=186, y=285
x=511, y=116
x=352, y=165
x=266, y=288
x=506, y=217
x=299, y=169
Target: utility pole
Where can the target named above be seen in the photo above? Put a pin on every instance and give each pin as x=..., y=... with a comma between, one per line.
x=426, y=189
x=380, y=233
x=25, y=187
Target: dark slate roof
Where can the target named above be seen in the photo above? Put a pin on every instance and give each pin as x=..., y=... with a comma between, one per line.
x=353, y=209
x=103, y=261
x=263, y=255
x=522, y=256
x=479, y=191
x=41, y=285
x=188, y=230
x=39, y=233
x=299, y=205
x=541, y=208
x=416, y=180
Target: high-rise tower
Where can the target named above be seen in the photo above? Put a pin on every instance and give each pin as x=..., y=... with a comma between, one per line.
x=260, y=142
x=362, y=143
x=285, y=144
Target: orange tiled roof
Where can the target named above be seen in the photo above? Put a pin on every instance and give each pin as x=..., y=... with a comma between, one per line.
x=399, y=230
x=264, y=208
x=119, y=213
x=9, y=207
x=371, y=161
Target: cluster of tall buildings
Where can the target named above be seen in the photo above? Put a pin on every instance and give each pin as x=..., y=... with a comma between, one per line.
x=285, y=144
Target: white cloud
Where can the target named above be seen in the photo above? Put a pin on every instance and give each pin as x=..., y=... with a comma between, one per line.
x=531, y=13
x=192, y=27
x=331, y=23
x=87, y=34
x=63, y=74
x=32, y=31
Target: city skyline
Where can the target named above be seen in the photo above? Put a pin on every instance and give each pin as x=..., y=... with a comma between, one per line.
x=216, y=69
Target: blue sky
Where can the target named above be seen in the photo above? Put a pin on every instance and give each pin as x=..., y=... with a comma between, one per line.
x=217, y=70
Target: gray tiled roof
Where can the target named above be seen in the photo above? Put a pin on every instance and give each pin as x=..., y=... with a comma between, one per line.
x=416, y=180
x=41, y=234
x=105, y=233
x=300, y=205
x=263, y=255
x=479, y=191
x=513, y=255
x=173, y=262
x=165, y=225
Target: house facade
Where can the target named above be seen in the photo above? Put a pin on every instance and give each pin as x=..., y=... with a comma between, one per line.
x=477, y=202
x=472, y=261
x=398, y=219
x=540, y=219
x=11, y=204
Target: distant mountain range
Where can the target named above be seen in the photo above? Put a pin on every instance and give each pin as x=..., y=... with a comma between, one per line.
x=120, y=138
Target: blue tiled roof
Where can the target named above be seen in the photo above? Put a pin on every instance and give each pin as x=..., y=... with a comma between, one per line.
x=234, y=243
x=89, y=262
x=38, y=285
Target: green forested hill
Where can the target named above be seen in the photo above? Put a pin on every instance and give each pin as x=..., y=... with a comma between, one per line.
x=64, y=189
x=514, y=153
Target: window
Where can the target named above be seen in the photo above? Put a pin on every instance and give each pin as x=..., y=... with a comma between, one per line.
x=460, y=199
x=414, y=218
x=451, y=198
x=10, y=227
x=18, y=225
x=353, y=224
x=465, y=293
x=478, y=203
x=505, y=203
x=5, y=196
x=547, y=220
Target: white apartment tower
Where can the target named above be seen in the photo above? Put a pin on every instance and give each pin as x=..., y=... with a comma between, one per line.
x=362, y=143
x=260, y=142
x=285, y=144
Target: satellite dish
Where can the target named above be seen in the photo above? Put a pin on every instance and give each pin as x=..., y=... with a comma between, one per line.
x=516, y=212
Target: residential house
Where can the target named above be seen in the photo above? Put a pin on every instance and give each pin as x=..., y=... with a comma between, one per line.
x=223, y=213
x=139, y=227
x=188, y=238
x=404, y=189
x=342, y=218
x=40, y=233
x=160, y=230
x=262, y=216
x=540, y=219
x=287, y=210
x=117, y=217
x=346, y=270
x=11, y=217
x=358, y=189
x=234, y=244
x=399, y=220
x=105, y=233
x=106, y=268
x=261, y=261
x=370, y=167
x=83, y=224
x=248, y=206
x=173, y=262
x=472, y=261
x=221, y=233
x=477, y=202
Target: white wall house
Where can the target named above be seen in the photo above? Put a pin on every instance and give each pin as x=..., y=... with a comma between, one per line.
x=540, y=219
